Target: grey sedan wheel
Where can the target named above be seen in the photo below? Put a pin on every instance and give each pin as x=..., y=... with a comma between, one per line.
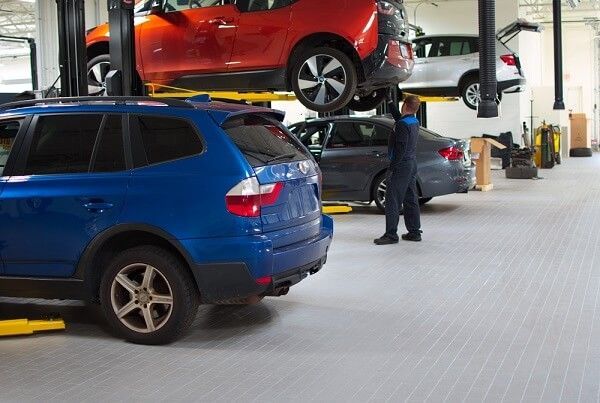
x=380, y=190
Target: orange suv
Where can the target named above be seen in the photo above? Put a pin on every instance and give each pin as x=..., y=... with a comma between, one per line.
x=331, y=53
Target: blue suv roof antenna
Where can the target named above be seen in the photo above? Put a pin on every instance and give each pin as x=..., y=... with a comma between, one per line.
x=199, y=98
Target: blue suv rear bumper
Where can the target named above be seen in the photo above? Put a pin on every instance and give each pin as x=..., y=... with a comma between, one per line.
x=244, y=260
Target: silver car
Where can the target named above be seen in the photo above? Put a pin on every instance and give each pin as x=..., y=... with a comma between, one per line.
x=352, y=154
x=448, y=65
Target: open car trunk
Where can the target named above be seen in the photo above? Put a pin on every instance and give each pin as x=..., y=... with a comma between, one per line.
x=515, y=28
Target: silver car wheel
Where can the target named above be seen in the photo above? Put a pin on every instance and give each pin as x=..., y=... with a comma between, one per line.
x=322, y=79
x=141, y=298
x=97, y=78
x=381, y=191
x=472, y=94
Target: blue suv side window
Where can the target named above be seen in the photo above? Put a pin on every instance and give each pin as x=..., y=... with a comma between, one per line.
x=8, y=133
x=62, y=144
x=109, y=152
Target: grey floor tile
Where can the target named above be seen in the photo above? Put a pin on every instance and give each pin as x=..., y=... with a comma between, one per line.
x=501, y=302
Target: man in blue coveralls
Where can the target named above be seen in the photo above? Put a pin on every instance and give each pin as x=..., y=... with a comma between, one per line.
x=402, y=174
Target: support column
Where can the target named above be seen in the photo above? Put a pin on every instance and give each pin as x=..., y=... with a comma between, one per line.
x=559, y=103
x=488, y=87
x=121, y=80
x=71, y=49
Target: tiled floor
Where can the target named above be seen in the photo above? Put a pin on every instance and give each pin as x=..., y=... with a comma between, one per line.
x=500, y=302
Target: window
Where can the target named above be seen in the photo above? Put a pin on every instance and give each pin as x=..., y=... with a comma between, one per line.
x=348, y=134
x=453, y=46
x=313, y=136
x=380, y=136
x=142, y=6
x=429, y=135
x=423, y=48
x=8, y=133
x=264, y=141
x=166, y=139
x=261, y=5
x=109, y=155
x=456, y=48
x=62, y=144
x=180, y=5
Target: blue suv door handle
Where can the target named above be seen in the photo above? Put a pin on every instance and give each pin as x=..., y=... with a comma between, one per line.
x=98, y=207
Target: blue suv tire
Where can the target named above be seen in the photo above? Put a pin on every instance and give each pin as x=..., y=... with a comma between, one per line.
x=148, y=296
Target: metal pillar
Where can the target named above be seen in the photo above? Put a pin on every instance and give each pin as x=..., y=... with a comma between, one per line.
x=559, y=103
x=122, y=78
x=33, y=64
x=488, y=87
x=72, y=52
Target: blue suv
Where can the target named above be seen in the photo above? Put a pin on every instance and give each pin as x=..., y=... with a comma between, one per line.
x=152, y=207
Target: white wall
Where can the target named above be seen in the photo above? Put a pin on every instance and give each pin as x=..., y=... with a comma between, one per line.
x=15, y=71
x=578, y=74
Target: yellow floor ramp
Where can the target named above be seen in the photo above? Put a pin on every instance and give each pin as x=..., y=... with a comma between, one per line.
x=23, y=327
x=337, y=209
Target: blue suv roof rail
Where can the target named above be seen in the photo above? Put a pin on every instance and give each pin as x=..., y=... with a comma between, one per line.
x=89, y=100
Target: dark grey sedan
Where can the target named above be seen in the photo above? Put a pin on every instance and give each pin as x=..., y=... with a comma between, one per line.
x=352, y=154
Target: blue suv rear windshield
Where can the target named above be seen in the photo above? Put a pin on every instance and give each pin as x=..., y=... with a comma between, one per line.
x=264, y=141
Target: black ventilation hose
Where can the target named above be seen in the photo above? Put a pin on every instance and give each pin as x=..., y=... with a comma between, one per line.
x=488, y=83
x=559, y=103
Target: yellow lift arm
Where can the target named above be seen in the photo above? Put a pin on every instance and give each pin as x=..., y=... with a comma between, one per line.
x=166, y=91
x=21, y=327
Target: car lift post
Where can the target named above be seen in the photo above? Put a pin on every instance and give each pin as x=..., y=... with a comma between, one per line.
x=121, y=79
x=559, y=103
x=71, y=43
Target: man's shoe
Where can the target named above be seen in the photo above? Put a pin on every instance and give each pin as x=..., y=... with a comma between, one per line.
x=412, y=236
x=385, y=240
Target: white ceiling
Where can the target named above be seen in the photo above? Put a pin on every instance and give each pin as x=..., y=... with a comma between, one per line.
x=17, y=18
x=541, y=10
x=537, y=10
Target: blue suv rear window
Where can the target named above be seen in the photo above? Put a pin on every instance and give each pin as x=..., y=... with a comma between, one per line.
x=264, y=141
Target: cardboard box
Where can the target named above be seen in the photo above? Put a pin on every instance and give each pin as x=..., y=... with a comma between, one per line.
x=579, y=133
x=481, y=150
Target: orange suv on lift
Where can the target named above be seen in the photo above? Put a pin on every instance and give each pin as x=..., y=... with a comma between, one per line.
x=331, y=53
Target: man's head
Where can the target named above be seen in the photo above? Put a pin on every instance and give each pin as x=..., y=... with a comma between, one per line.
x=411, y=105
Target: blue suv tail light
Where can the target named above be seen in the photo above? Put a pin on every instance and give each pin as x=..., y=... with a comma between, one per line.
x=247, y=197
